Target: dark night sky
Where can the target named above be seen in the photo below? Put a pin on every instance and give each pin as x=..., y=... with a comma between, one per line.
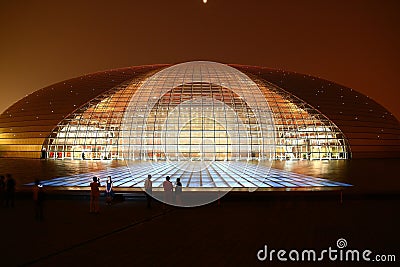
x=355, y=43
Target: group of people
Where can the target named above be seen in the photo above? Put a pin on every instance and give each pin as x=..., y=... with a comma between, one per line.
x=148, y=185
x=95, y=194
x=7, y=193
x=168, y=190
x=7, y=190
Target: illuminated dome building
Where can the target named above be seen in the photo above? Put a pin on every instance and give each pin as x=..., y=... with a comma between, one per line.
x=198, y=111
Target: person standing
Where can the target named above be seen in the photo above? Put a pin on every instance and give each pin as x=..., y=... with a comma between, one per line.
x=2, y=190
x=94, y=196
x=38, y=198
x=168, y=190
x=148, y=187
x=10, y=190
x=178, y=192
x=109, y=190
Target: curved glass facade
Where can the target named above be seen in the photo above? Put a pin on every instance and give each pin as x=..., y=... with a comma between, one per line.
x=197, y=111
x=302, y=132
x=89, y=116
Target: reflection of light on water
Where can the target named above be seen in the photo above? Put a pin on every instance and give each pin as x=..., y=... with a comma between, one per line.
x=362, y=173
x=367, y=175
x=335, y=170
x=215, y=175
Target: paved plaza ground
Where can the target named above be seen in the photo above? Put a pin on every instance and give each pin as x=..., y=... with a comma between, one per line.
x=226, y=234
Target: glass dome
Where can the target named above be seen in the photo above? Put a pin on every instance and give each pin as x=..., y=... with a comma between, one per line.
x=198, y=111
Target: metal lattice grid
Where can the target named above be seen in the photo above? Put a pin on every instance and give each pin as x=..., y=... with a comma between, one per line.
x=201, y=176
x=197, y=111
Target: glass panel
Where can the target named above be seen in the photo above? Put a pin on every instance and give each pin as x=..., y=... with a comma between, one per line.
x=197, y=111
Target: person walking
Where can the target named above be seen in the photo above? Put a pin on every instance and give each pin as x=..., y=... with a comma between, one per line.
x=148, y=187
x=168, y=190
x=10, y=190
x=178, y=192
x=94, y=196
x=109, y=190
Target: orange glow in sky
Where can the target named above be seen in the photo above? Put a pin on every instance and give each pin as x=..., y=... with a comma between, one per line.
x=354, y=43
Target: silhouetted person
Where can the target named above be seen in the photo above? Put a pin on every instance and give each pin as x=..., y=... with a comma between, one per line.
x=168, y=189
x=178, y=192
x=2, y=190
x=38, y=199
x=43, y=154
x=10, y=190
x=148, y=187
x=94, y=196
x=109, y=190
x=83, y=155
